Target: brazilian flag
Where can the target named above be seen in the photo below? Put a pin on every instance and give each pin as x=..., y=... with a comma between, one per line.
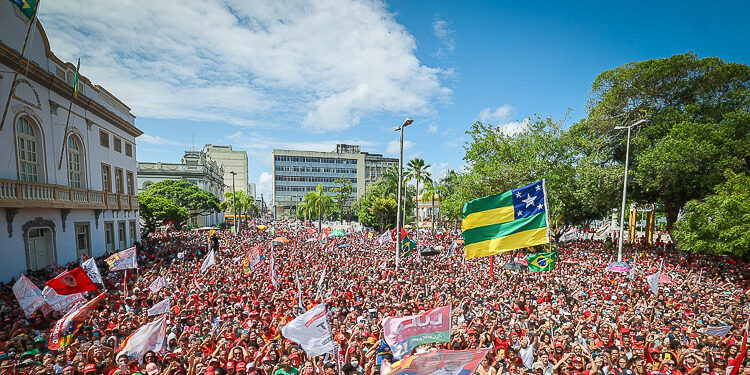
x=27, y=7
x=407, y=247
x=542, y=261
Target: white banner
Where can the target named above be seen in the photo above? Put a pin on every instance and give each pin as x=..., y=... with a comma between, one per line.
x=157, y=284
x=312, y=331
x=151, y=336
x=92, y=270
x=209, y=261
x=124, y=260
x=28, y=295
x=159, y=308
x=60, y=303
x=653, y=281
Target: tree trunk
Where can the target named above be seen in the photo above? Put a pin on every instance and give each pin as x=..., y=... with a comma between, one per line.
x=671, y=210
x=433, y=211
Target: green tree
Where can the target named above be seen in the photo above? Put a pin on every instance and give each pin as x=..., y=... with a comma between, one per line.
x=697, y=125
x=366, y=218
x=384, y=209
x=154, y=210
x=318, y=204
x=343, y=190
x=416, y=170
x=245, y=204
x=186, y=195
x=720, y=224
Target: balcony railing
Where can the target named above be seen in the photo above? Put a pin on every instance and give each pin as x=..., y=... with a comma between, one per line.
x=23, y=194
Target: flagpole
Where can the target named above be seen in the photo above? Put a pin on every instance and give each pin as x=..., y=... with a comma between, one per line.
x=125, y=283
x=492, y=267
x=18, y=65
x=70, y=109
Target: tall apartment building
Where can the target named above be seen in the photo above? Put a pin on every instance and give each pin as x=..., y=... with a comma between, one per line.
x=231, y=161
x=63, y=193
x=297, y=172
x=194, y=168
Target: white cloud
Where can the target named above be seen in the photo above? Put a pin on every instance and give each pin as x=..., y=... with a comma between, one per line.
x=515, y=127
x=264, y=186
x=439, y=170
x=323, y=63
x=393, y=147
x=499, y=114
x=441, y=29
x=432, y=129
x=156, y=140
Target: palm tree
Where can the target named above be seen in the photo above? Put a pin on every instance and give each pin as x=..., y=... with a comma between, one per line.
x=318, y=203
x=417, y=170
x=431, y=190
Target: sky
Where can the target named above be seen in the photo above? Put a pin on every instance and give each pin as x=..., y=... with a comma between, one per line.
x=306, y=75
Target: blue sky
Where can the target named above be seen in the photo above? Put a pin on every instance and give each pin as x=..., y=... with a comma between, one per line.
x=309, y=74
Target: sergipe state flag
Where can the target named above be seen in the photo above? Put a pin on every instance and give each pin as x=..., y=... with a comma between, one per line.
x=507, y=221
x=542, y=261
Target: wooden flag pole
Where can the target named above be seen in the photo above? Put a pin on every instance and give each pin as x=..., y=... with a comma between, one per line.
x=18, y=65
x=70, y=109
x=125, y=283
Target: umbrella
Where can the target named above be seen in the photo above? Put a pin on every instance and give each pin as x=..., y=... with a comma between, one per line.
x=428, y=252
x=343, y=245
x=337, y=233
x=262, y=227
x=280, y=240
x=514, y=266
x=619, y=267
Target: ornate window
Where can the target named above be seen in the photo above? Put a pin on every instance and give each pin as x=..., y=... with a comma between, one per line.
x=75, y=163
x=28, y=144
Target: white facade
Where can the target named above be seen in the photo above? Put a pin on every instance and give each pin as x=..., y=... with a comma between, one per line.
x=194, y=168
x=59, y=202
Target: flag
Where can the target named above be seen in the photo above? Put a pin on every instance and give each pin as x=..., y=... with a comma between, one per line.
x=631, y=224
x=312, y=331
x=157, y=284
x=28, y=295
x=407, y=248
x=461, y=362
x=209, y=261
x=60, y=303
x=511, y=220
x=650, y=221
x=735, y=362
x=150, y=337
x=604, y=229
x=92, y=270
x=27, y=7
x=159, y=308
x=406, y=333
x=62, y=333
x=653, y=281
x=452, y=249
x=720, y=331
x=404, y=233
x=385, y=238
x=542, y=261
x=570, y=235
x=75, y=80
x=126, y=259
x=73, y=281
x=631, y=273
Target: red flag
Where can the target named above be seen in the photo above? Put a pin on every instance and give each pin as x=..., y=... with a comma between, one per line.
x=403, y=234
x=737, y=361
x=66, y=328
x=311, y=230
x=71, y=282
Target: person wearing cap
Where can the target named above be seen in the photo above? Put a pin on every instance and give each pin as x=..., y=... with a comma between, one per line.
x=284, y=367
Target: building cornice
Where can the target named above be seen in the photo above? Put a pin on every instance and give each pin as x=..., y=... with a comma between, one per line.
x=10, y=57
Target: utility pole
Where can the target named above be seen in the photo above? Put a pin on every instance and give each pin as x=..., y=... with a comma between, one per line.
x=234, y=202
x=399, y=222
x=625, y=186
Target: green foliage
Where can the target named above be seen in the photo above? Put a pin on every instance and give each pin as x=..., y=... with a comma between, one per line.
x=186, y=195
x=154, y=210
x=365, y=217
x=343, y=190
x=384, y=209
x=316, y=205
x=720, y=224
x=697, y=125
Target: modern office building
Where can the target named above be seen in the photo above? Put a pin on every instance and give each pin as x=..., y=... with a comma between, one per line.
x=67, y=187
x=297, y=172
x=196, y=168
x=231, y=161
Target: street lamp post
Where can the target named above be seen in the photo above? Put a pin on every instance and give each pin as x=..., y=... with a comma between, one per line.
x=234, y=202
x=400, y=129
x=625, y=185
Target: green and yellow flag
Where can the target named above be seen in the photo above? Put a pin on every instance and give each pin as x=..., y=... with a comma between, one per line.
x=27, y=7
x=542, y=261
x=511, y=220
x=75, y=80
x=407, y=247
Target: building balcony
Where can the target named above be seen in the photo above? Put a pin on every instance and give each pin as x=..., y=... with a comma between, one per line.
x=25, y=194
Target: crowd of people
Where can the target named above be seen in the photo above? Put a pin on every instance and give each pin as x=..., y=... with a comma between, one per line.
x=578, y=318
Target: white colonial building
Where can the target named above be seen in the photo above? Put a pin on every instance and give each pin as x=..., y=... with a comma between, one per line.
x=62, y=193
x=195, y=168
